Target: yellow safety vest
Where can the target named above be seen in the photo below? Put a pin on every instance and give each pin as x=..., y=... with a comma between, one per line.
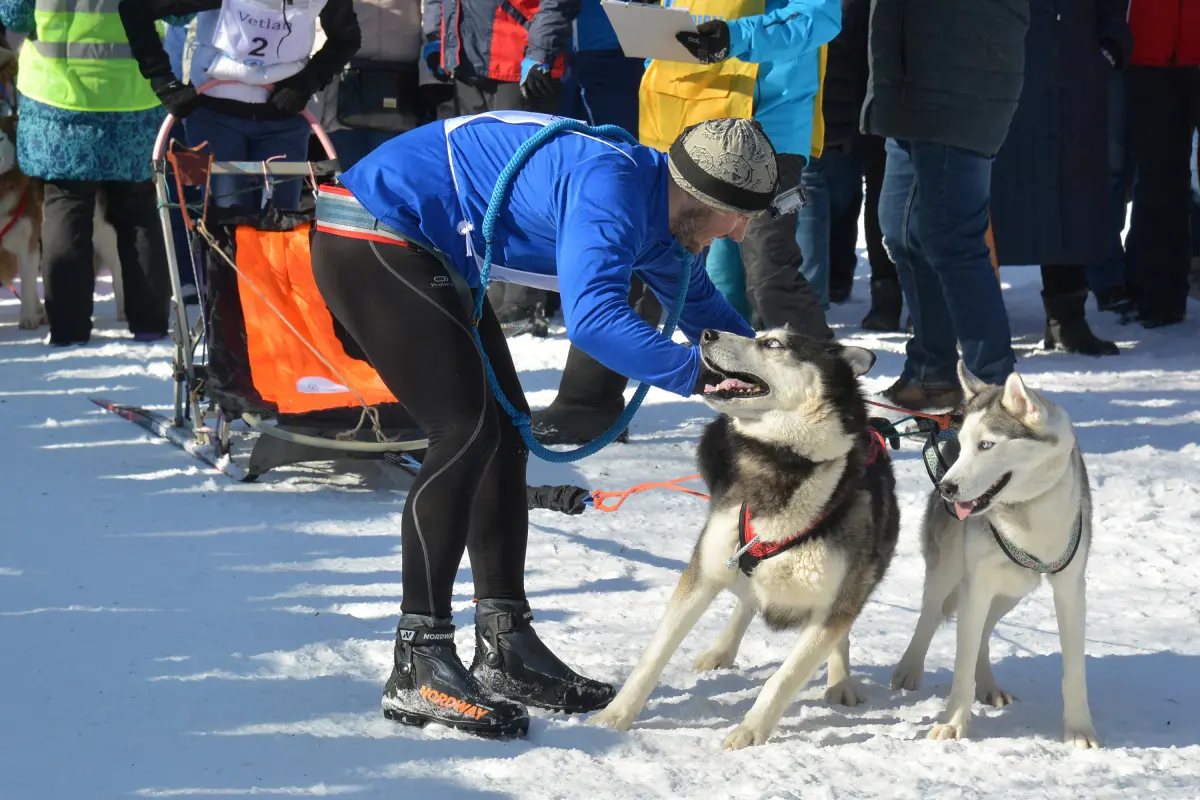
x=674, y=95
x=79, y=59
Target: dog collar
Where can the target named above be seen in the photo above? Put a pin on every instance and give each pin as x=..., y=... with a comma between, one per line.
x=1023, y=558
x=751, y=551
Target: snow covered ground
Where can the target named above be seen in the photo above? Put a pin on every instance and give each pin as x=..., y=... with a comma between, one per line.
x=168, y=633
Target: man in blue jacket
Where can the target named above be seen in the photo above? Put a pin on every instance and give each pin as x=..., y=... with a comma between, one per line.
x=396, y=249
x=760, y=59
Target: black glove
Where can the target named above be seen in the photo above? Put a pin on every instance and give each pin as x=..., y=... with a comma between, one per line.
x=432, y=53
x=886, y=429
x=706, y=377
x=710, y=42
x=537, y=83
x=563, y=499
x=290, y=96
x=180, y=99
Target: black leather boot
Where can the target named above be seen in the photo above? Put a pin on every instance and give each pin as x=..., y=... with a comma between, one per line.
x=511, y=660
x=590, y=398
x=886, y=303
x=430, y=684
x=1067, y=328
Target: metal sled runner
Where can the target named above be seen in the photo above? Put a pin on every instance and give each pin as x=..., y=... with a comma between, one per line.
x=261, y=354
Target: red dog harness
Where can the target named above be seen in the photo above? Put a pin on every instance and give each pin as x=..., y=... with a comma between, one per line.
x=751, y=551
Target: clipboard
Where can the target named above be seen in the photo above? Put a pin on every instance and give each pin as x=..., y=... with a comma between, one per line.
x=647, y=30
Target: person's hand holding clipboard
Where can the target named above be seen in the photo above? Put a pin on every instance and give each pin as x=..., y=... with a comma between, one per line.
x=649, y=30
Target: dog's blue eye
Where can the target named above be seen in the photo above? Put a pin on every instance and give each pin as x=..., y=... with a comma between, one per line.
x=986, y=445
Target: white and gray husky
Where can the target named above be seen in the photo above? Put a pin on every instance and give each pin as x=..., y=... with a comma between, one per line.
x=790, y=461
x=1014, y=506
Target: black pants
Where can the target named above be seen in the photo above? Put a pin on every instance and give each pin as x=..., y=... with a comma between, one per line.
x=1064, y=279
x=1164, y=109
x=843, y=232
x=479, y=96
x=771, y=259
x=415, y=330
x=67, y=263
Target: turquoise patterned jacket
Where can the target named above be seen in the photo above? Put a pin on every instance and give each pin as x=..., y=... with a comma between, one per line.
x=57, y=144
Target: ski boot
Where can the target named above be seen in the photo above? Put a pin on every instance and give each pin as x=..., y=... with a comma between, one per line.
x=429, y=684
x=512, y=661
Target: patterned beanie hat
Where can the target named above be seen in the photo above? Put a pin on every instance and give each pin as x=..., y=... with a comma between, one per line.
x=728, y=164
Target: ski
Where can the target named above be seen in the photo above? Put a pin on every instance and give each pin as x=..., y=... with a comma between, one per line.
x=182, y=438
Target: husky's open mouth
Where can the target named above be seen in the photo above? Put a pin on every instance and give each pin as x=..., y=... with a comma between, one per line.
x=726, y=385
x=963, y=510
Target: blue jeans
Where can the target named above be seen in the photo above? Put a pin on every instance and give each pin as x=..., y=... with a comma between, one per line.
x=834, y=183
x=1111, y=272
x=353, y=145
x=236, y=139
x=601, y=86
x=933, y=211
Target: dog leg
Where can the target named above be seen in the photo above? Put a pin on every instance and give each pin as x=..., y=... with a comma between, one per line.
x=987, y=691
x=33, y=313
x=1070, y=607
x=841, y=689
x=817, y=640
x=975, y=603
x=691, y=598
x=941, y=581
x=724, y=650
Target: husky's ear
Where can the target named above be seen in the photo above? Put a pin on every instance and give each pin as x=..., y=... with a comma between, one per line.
x=1020, y=402
x=971, y=385
x=860, y=359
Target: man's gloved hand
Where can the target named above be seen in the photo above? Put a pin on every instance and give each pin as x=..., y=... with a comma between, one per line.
x=536, y=82
x=290, y=95
x=431, y=54
x=710, y=42
x=706, y=377
x=179, y=98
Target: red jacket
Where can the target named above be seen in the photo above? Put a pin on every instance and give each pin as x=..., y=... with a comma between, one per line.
x=1166, y=33
x=489, y=38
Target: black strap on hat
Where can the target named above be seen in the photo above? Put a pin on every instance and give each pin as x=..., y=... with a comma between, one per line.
x=712, y=186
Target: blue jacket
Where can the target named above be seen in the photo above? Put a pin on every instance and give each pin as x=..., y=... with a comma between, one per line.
x=591, y=30
x=590, y=211
x=784, y=42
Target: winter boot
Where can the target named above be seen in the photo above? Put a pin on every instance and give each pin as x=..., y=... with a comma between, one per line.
x=1067, y=328
x=913, y=396
x=886, y=302
x=430, y=684
x=511, y=660
x=590, y=398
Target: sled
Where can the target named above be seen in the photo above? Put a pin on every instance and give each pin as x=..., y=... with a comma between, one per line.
x=261, y=365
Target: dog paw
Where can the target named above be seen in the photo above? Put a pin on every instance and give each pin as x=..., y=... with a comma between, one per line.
x=907, y=676
x=1082, y=737
x=32, y=320
x=993, y=696
x=844, y=693
x=613, y=717
x=948, y=731
x=743, y=736
x=713, y=659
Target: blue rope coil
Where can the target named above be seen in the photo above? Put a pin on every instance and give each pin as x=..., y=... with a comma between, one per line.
x=521, y=420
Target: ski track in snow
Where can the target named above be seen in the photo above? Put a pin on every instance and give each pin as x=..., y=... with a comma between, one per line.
x=169, y=633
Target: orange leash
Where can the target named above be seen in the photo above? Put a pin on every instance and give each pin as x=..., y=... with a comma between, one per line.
x=599, y=497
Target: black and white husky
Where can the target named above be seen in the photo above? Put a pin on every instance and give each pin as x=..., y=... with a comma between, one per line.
x=793, y=468
x=1014, y=505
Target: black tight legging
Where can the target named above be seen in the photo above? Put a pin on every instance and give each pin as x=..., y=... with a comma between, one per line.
x=414, y=328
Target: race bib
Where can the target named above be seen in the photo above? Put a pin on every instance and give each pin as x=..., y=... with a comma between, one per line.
x=262, y=33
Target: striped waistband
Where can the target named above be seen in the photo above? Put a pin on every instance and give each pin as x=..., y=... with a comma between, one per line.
x=339, y=213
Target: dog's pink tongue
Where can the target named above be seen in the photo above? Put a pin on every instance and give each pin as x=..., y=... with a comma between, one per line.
x=729, y=384
x=963, y=510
